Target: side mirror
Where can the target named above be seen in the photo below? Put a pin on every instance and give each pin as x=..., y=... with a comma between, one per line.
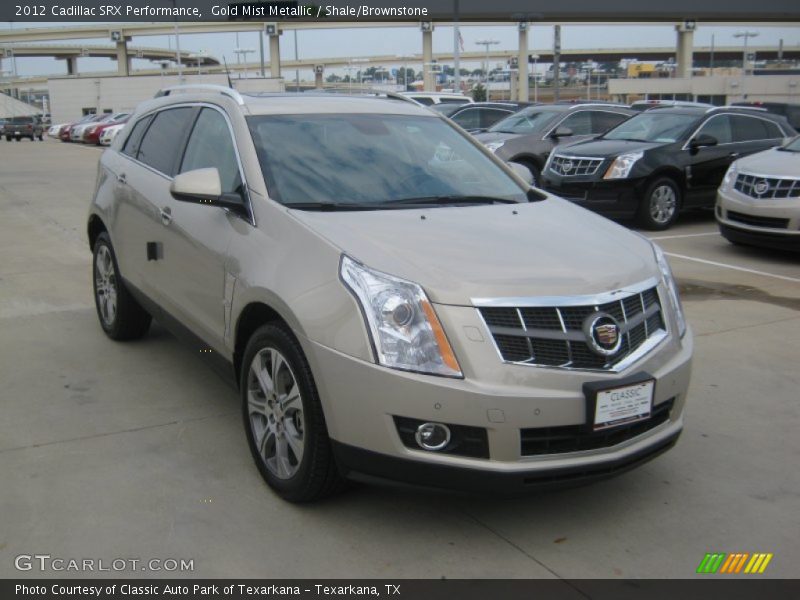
x=203, y=186
x=704, y=140
x=522, y=171
x=562, y=132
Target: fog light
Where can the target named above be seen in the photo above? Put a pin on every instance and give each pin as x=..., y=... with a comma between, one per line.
x=432, y=436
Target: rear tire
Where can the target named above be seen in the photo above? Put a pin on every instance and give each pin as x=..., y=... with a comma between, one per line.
x=120, y=315
x=658, y=210
x=283, y=418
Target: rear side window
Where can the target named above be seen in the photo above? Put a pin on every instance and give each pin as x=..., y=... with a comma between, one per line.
x=135, y=137
x=469, y=118
x=490, y=116
x=603, y=121
x=718, y=127
x=211, y=145
x=424, y=101
x=746, y=129
x=162, y=142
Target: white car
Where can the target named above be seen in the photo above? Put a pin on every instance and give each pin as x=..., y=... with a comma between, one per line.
x=109, y=133
x=431, y=98
x=54, y=129
x=757, y=203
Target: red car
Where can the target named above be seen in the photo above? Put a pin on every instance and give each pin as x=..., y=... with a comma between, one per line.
x=91, y=135
x=64, y=132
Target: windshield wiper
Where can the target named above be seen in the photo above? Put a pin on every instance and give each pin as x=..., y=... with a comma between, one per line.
x=627, y=139
x=452, y=200
x=332, y=206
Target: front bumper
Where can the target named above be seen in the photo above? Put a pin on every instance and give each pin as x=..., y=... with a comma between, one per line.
x=613, y=198
x=767, y=222
x=361, y=401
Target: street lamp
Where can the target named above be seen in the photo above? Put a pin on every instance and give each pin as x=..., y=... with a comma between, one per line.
x=746, y=35
x=535, y=58
x=486, y=44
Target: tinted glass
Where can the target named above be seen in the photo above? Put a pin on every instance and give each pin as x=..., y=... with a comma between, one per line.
x=490, y=116
x=366, y=158
x=211, y=145
x=527, y=120
x=446, y=109
x=424, y=101
x=718, y=127
x=469, y=118
x=793, y=146
x=579, y=122
x=135, y=137
x=654, y=126
x=453, y=101
x=750, y=128
x=161, y=143
x=603, y=121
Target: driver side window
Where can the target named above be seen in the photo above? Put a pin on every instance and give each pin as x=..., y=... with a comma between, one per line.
x=579, y=122
x=211, y=145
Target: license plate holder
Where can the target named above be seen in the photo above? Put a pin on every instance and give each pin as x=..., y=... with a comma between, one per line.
x=624, y=401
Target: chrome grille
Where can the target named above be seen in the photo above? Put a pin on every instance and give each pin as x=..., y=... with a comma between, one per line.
x=553, y=336
x=757, y=186
x=573, y=166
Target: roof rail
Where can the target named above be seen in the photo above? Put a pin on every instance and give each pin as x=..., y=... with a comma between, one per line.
x=591, y=104
x=201, y=87
x=370, y=92
x=734, y=107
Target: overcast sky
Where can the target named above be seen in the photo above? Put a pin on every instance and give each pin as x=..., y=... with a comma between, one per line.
x=407, y=41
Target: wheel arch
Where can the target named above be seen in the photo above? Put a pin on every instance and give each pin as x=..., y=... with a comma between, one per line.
x=253, y=315
x=94, y=228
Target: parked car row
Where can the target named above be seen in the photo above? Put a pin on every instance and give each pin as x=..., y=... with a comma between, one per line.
x=90, y=129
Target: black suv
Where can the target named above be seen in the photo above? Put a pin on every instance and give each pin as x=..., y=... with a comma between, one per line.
x=478, y=116
x=20, y=127
x=527, y=137
x=660, y=161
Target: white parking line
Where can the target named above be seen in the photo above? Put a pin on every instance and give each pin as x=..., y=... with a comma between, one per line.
x=685, y=235
x=734, y=267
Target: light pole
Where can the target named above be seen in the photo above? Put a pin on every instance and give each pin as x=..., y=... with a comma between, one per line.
x=746, y=35
x=178, y=44
x=535, y=78
x=486, y=44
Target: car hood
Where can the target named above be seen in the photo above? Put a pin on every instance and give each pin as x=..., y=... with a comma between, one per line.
x=772, y=162
x=545, y=248
x=603, y=148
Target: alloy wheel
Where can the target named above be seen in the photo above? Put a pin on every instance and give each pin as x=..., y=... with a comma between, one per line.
x=105, y=279
x=663, y=204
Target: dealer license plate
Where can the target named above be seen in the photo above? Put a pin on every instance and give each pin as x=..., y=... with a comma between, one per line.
x=623, y=405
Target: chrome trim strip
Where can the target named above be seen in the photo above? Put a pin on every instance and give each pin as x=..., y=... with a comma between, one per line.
x=562, y=301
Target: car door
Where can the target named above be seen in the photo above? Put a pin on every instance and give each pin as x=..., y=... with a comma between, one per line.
x=197, y=236
x=706, y=166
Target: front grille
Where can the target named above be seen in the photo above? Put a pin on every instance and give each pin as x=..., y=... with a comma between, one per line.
x=760, y=187
x=554, y=336
x=576, y=438
x=573, y=166
x=756, y=221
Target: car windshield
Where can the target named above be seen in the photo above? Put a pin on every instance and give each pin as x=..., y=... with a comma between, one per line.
x=374, y=160
x=527, y=120
x=793, y=146
x=654, y=126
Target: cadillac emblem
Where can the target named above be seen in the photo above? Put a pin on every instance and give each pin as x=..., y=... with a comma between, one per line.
x=567, y=166
x=761, y=188
x=603, y=334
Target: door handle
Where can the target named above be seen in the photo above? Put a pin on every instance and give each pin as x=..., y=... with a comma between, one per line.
x=121, y=178
x=166, y=216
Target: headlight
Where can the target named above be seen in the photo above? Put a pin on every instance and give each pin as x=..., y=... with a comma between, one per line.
x=672, y=288
x=405, y=330
x=730, y=177
x=494, y=146
x=622, y=165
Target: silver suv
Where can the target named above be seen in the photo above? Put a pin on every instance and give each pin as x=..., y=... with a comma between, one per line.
x=391, y=300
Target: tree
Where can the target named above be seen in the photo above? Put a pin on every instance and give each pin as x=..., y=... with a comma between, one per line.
x=479, y=93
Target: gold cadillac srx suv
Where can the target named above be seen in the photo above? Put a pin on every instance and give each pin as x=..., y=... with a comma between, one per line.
x=391, y=300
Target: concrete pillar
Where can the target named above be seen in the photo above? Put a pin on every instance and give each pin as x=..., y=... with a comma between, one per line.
x=683, y=54
x=522, y=63
x=319, y=70
x=123, y=59
x=275, y=56
x=427, y=59
x=72, y=65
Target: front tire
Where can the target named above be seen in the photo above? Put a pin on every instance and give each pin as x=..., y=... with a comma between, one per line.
x=283, y=418
x=121, y=316
x=658, y=210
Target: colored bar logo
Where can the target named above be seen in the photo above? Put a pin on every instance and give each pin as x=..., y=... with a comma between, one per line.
x=737, y=562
